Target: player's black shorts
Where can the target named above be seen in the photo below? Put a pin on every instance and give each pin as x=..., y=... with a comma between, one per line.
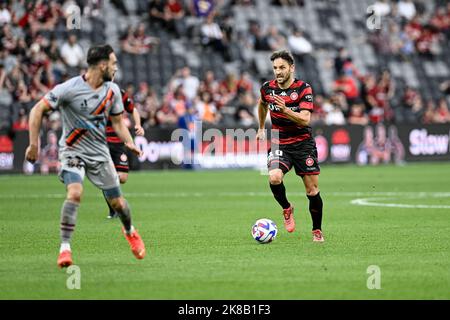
x=301, y=155
x=119, y=156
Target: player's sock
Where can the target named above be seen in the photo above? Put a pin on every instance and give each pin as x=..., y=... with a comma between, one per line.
x=69, y=213
x=315, y=208
x=125, y=217
x=111, y=210
x=65, y=246
x=279, y=192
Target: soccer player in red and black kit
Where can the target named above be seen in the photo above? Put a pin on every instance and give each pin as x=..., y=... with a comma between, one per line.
x=117, y=147
x=290, y=102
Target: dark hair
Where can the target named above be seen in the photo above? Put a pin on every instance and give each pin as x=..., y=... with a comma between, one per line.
x=283, y=54
x=98, y=53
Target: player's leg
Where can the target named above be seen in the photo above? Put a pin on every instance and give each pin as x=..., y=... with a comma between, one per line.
x=105, y=177
x=306, y=166
x=69, y=212
x=120, y=160
x=121, y=207
x=311, y=183
x=279, y=164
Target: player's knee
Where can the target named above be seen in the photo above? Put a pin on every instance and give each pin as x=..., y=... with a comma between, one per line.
x=118, y=204
x=312, y=190
x=123, y=177
x=276, y=178
x=74, y=195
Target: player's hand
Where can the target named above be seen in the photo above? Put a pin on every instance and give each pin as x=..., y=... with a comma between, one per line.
x=280, y=104
x=31, y=154
x=139, y=130
x=134, y=149
x=261, y=135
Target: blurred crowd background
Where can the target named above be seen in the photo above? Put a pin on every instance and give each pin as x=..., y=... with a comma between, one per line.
x=368, y=62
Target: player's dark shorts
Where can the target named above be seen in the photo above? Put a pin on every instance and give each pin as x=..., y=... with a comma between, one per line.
x=301, y=155
x=119, y=156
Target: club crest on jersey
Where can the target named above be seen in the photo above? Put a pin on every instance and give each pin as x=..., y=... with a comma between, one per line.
x=294, y=96
x=123, y=157
x=309, y=162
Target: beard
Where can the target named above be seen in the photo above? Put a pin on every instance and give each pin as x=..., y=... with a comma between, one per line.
x=107, y=76
x=283, y=80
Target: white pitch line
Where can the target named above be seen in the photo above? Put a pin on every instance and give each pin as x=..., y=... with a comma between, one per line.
x=368, y=202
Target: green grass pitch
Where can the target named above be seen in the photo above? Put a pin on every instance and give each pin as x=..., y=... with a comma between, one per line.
x=197, y=228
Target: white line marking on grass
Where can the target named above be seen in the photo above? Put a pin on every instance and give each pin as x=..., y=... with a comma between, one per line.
x=374, y=201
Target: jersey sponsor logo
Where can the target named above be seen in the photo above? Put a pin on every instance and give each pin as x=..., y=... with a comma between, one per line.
x=309, y=97
x=309, y=161
x=283, y=93
x=294, y=96
x=51, y=97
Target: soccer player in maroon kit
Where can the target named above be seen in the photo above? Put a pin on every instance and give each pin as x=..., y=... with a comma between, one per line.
x=117, y=147
x=290, y=103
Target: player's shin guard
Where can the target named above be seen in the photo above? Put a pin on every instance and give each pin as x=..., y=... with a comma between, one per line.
x=69, y=213
x=125, y=216
x=279, y=192
x=315, y=208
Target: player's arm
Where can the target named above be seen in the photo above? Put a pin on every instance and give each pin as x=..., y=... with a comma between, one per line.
x=262, y=115
x=137, y=123
x=34, y=122
x=302, y=118
x=122, y=131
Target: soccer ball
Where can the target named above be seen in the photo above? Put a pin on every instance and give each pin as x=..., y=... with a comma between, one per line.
x=264, y=230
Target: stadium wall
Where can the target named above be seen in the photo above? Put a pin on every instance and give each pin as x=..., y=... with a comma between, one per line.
x=223, y=148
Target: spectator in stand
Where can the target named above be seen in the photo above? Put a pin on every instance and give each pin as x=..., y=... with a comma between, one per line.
x=319, y=114
x=165, y=116
x=244, y=112
x=334, y=116
x=275, y=39
x=348, y=86
x=201, y=8
x=244, y=83
x=206, y=109
x=341, y=59
x=189, y=83
x=406, y=9
x=210, y=84
x=429, y=113
x=441, y=20
x=227, y=90
x=174, y=17
x=427, y=43
x=442, y=114
x=300, y=46
x=256, y=38
x=21, y=124
x=5, y=15
x=49, y=155
x=213, y=36
x=157, y=16
x=357, y=115
x=72, y=53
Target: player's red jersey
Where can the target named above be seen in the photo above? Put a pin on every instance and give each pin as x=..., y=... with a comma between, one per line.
x=128, y=104
x=297, y=97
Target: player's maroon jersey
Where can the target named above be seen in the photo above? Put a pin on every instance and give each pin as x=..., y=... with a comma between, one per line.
x=297, y=97
x=128, y=104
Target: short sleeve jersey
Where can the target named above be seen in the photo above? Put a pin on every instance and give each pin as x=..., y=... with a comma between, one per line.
x=84, y=113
